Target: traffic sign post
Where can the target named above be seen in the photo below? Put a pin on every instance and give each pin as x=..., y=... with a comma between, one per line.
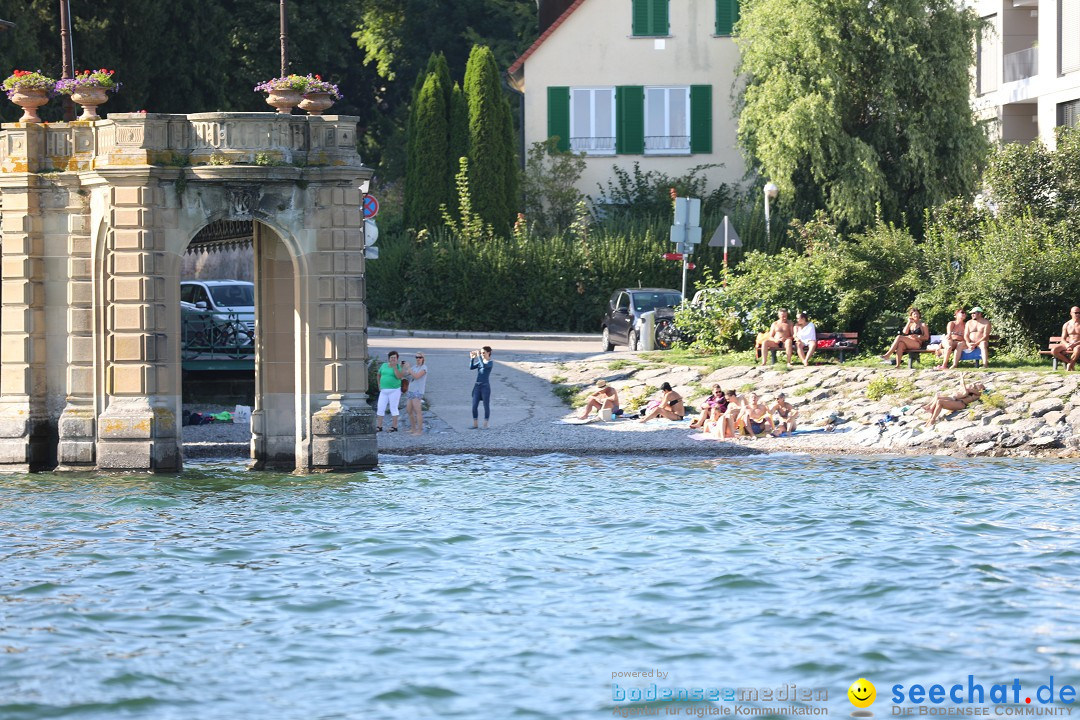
x=686, y=232
x=725, y=235
x=371, y=206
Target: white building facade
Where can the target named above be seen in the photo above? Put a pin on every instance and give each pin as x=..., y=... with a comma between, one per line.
x=625, y=81
x=1027, y=73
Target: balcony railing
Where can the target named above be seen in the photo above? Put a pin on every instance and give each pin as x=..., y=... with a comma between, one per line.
x=667, y=143
x=593, y=144
x=1021, y=64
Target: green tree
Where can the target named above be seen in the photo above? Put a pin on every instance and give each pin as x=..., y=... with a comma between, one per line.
x=551, y=199
x=1030, y=178
x=427, y=187
x=459, y=137
x=860, y=108
x=492, y=170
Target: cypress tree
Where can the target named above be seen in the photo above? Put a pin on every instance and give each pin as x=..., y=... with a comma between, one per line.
x=492, y=187
x=459, y=140
x=431, y=177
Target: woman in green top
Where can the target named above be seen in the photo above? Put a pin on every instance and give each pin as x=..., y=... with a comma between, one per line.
x=390, y=374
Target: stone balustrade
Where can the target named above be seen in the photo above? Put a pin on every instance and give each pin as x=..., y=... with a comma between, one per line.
x=133, y=139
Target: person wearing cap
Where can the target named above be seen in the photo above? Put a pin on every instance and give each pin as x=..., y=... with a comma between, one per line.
x=712, y=408
x=605, y=398
x=1068, y=350
x=414, y=397
x=976, y=335
x=783, y=415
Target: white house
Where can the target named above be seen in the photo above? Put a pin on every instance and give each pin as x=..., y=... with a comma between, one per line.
x=1027, y=73
x=624, y=81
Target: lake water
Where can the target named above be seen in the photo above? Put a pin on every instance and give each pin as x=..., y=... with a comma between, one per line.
x=466, y=587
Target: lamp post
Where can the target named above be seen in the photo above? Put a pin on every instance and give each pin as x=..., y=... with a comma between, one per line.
x=771, y=191
x=67, y=55
x=284, y=27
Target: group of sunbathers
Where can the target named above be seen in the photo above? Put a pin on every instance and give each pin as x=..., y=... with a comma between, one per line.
x=960, y=336
x=726, y=415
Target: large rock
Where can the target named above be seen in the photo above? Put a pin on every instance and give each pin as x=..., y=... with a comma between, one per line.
x=1012, y=438
x=977, y=435
x=1041, y=407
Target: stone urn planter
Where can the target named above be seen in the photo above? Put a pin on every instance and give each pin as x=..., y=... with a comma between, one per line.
x=30, y=100
x=284, y=100
x=89, y=97
x=314, y=103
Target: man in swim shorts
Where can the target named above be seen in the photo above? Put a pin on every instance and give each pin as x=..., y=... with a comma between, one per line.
x=1068, y=350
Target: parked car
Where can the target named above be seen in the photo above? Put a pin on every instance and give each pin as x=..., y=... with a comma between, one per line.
x=621, y=323
x=217, y=316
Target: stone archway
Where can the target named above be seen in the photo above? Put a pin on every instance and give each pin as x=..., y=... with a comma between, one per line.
x=96, y=217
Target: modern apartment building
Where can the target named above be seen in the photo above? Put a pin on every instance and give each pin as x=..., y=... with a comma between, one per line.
x=625, y=81
x=1027, y=73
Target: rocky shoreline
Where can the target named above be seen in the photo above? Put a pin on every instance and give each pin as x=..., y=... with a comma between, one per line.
x=1022, y=414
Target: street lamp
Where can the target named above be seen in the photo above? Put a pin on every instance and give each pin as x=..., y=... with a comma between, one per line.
x=771, y=191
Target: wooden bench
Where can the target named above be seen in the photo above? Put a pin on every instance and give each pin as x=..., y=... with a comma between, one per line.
x=975, y=355
x=1054, y=340
x=912, y=356
x=967, y=355
x=843, y=342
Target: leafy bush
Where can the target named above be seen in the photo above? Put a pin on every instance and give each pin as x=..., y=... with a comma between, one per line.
x=640, y=194
x=884, y=385
x=551, y=199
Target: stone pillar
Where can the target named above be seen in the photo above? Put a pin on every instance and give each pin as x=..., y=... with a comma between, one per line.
x=273, y=421
x=342, y=433
x=138, y=428
x=27, y=438
x=78, y=420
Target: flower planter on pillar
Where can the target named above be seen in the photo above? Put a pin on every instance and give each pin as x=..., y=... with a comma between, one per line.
x=284, y=100
x=89, y=97
x=315, y=103
x=30, y=100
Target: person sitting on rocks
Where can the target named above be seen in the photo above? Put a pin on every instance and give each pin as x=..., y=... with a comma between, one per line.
x=957, y=401
x=1068, y=350
x=953, y=342
x=709, y=407
x=605, y=398
x=914, y=336
x=724, y=426
x=783, y=415
x=781, y=335
x=755, y=419
x=670, y=405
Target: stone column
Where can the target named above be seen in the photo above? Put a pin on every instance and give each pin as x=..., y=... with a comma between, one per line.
x=273, y=421
x=138, y=428
x=27, y=438
x=78, y=419
x=342, y=433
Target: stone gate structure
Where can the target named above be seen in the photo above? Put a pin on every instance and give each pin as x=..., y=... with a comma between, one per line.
x=96, y=217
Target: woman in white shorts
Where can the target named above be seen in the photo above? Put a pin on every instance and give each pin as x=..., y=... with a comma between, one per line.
x=390, y=374
x=414, y=397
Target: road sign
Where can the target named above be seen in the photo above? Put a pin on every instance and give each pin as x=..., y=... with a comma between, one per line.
x=687, y=211
x=371, y=232
x=717, y=239
x=690, y=266
x=673, y=256
x=693, y=234
x=371, y=206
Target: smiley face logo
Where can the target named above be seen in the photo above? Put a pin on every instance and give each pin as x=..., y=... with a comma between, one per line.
x=862, y=693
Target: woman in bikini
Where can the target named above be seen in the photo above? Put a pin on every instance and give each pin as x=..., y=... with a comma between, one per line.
x=953, y=342
x=957, y=401
x=670, y=407
x=913, y=337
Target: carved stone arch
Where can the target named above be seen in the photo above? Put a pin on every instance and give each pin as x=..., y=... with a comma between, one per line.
x=115, y=380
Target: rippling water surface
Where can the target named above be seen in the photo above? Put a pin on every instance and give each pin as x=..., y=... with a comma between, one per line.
x=464, y=587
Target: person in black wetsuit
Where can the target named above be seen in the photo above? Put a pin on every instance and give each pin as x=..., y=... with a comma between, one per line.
x=480, y=361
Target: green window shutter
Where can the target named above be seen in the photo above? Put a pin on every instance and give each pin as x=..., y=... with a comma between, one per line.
x=660, y=17
x=701, y=118
x=559, y=115
x=727, y=14
x=641, y=17
x=630, y=120
x=650, y=17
